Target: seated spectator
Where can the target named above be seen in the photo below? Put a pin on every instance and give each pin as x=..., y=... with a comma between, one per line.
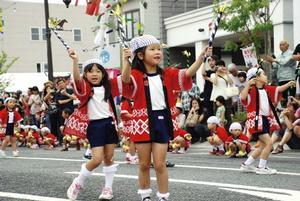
x=218, y=135
x=289, y=123
x=237, y=144
x=194, y=119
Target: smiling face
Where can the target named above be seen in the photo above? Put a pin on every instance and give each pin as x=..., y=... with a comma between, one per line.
x=152, y=56
x=94, y=75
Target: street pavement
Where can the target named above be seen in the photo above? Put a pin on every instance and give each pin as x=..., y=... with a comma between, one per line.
x=46, y=175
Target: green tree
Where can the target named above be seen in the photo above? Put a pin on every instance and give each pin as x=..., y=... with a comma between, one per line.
x=250, y=20
x=5, y=64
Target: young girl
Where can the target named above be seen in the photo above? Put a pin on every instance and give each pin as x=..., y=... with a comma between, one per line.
x=259, y=98
x=152, y=88
x=9, y=118
x=95, y=92
x=237, y=144
x=217, y=137
x=126, y=115
x=220, y=113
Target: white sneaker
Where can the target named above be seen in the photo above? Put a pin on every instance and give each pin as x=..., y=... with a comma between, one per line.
x=73, y=190
x=2, y=154
x=181, y=150
x=15, y=153
x=107, y=194
x=265, y=170
x=134, y=160
x=248, y=168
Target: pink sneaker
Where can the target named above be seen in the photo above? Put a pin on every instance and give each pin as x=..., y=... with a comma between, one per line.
x=134, y=160
x=73, y=190
x=107, y=194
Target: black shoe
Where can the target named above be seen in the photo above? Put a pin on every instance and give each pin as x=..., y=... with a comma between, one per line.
x=169, y=164
x=87, y=157
x=147, y=199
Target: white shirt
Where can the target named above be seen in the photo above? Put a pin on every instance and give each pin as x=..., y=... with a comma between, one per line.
x=156, y=93
x=219, y=89
x=97, y=107
x=264, y=106
x=10, y=117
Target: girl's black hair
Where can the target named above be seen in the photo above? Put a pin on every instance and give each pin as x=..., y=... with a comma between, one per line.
x=104, y=82
x=200, y=110
x=221, y=99
x=139, y=64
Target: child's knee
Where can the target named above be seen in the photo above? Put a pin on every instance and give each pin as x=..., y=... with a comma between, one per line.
x=160, y=167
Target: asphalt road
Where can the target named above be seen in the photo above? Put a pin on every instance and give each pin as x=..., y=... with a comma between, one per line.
x=46, y=175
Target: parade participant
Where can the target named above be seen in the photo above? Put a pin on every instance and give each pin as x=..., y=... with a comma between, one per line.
x=217, y=137
x=126, y=115
x=9, y=118
x=48, y=138
x=152, y=88
x=237, y=144
x=96, y=91
x=262, y=119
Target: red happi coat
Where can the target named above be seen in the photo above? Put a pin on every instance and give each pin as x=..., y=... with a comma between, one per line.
x=78, y=121
x=250, y=104
x=4, y=117
x=174, y=79
x=242, y=138
x=126, y=108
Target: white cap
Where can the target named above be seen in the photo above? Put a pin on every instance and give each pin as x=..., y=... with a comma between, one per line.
x=179, y=105
x=34, y=127
x=45, y=130
x=252, y=72
x=235, y=126
x=8, y=99
x=213, y=120
x=142, y=41
x=92, y=61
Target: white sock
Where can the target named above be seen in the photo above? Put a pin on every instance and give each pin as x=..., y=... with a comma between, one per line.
x=249, y=161
x=84, y=174
x=109, y=172
x=88, y=152
x=128, y=155
x=145, y=192
x=215, y=147
x=262, y=163
x=221, y=147
x=163, y=195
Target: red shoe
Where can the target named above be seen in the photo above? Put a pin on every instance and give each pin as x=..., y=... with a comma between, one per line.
x=214, y=151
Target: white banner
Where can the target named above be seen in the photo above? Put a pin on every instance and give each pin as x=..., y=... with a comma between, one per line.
x=249, y=55
x=110, y=56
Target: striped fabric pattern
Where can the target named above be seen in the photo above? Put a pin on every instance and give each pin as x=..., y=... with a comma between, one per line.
x=142, y=41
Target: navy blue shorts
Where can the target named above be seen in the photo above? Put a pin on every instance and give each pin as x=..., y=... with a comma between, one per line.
x=101, y=132
x=9, y=129
x=161, y=129
x=265, y=128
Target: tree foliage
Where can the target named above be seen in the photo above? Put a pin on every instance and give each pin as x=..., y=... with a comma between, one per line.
x=5, y=64
x=249, y=19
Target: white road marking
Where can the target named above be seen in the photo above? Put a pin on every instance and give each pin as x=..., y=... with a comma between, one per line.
x=122, y=162
x=271, y=193
x=30, y=197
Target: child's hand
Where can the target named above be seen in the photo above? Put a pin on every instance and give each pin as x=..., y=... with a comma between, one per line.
x=292, y=84
x=126, y=53
x=72, y=54
x=252, y=82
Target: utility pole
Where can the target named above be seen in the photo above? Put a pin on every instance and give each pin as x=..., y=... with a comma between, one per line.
x=48, y=38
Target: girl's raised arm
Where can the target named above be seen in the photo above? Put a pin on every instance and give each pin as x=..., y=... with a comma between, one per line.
x=76, y=71
x=126, y=69
x=191, y=71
